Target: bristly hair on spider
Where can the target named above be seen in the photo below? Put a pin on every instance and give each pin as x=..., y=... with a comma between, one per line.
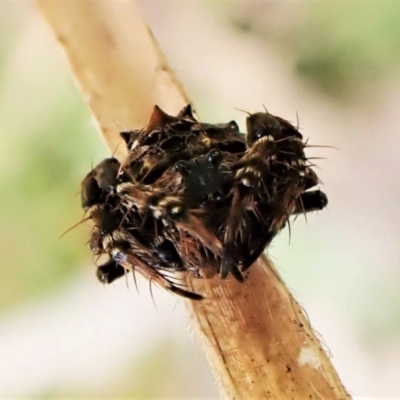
x=197, y=198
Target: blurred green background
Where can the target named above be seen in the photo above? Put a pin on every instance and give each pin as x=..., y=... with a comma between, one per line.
x=336, y=64
x=43, y=124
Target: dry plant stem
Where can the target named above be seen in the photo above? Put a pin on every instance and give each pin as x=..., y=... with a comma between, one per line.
x=260, y=342
x=256, y=337
x=116, y=64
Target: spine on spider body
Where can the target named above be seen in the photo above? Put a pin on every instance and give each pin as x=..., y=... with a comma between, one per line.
x=198, y=198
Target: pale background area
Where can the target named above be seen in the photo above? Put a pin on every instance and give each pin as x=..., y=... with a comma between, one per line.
x=335, y=65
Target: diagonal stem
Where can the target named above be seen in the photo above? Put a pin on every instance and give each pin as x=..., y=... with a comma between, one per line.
x=257, y=338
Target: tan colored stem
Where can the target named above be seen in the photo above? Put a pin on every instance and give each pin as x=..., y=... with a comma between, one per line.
x=256, y=337
x=259, y=341
x=116, y=63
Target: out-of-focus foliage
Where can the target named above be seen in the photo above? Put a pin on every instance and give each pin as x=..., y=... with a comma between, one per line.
x=172, y=383
x=48, y=143
x=338, y=46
